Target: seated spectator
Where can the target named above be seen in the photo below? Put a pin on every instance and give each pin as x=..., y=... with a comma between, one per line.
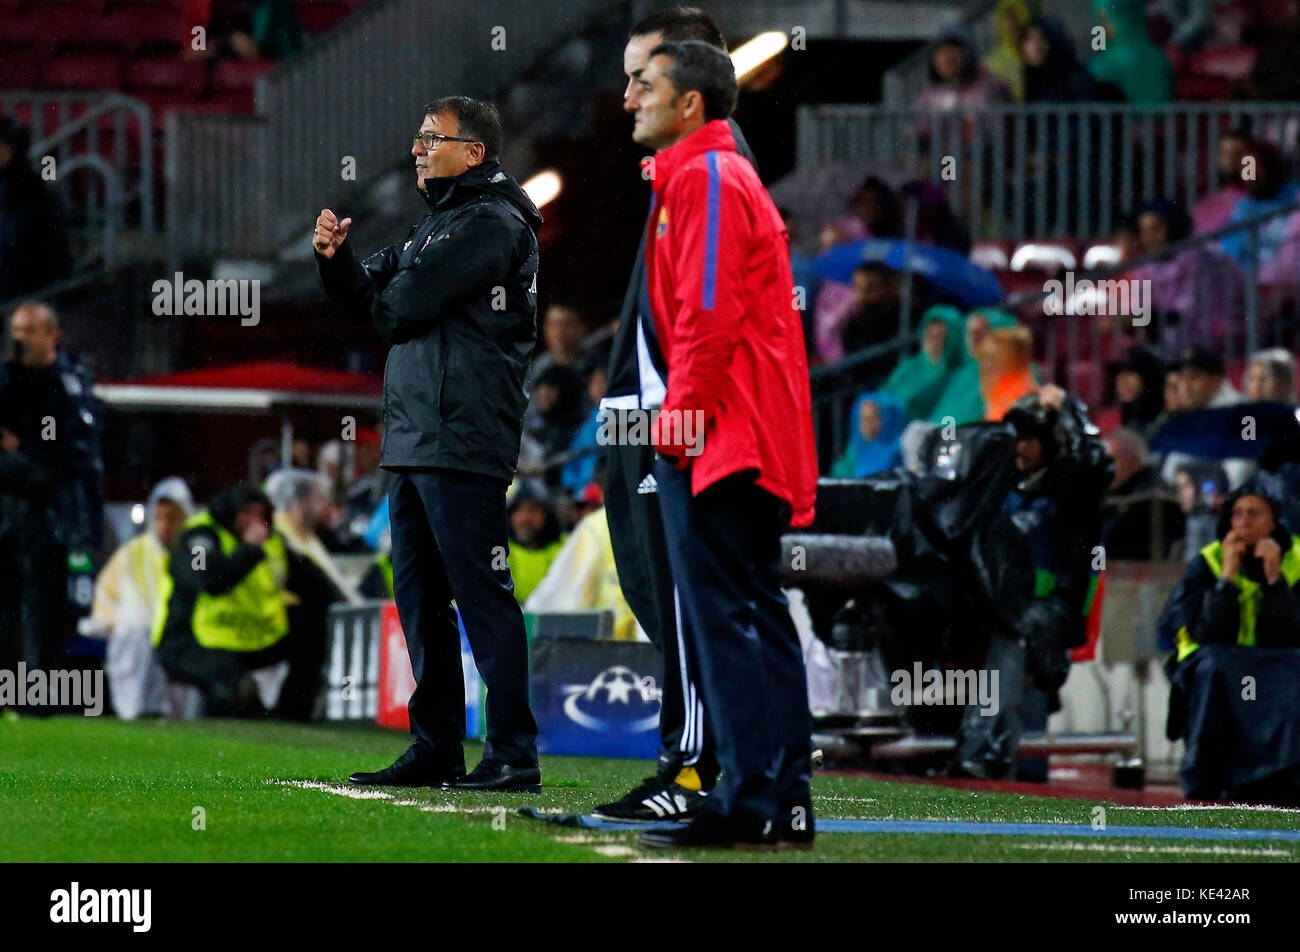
x=1005, y=371
x=243, y=29
x=1198, y=295
x=1271, y=376
x=578, y=472
x=873, y=446
x=1203, y=383
x=962, y=400
x=300, y=497
x=1139, y=388
x=1010, y=17
x=1198, y=489
x=1129, y=526
x=535, y=539
x=875, y=204
x=1052, y=69
x=920, y=379
x=1275, y=77
x=1269, y=191
x=871, y=319
x=127, y=591
x=956, y=79
x=1236, y=598
x=564, y=331
x=1215, y=210
x=237, y=600
x=936, y=223
x=556, y=412
x=33, y=236
x=1130, y=60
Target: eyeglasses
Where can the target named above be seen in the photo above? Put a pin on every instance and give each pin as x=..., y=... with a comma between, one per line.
x=430, y=139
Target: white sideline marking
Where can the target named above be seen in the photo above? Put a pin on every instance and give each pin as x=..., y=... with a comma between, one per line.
x=1258, y=807
x=616, y=850
x=354, y=793
x=1104, y=848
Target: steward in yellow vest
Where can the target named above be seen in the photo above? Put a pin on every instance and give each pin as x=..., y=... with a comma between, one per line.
x=226, y=608
x=1241, y=588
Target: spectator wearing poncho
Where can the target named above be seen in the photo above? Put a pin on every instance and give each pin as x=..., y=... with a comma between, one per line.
x=1131, y=61
x=874, y=441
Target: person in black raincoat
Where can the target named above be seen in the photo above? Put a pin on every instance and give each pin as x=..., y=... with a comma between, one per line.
x=1233, y=625
x=51, y=485
x=458, y=300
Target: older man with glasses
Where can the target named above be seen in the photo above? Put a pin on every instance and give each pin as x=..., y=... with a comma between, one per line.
x=457, y=299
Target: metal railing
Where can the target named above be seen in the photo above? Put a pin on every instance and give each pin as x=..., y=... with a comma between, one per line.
x=107, y=135
x=1015, y=172
x=246, y=185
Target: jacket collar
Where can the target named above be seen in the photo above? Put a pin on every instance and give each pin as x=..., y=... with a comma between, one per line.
x=715, y=136
x=450, y=190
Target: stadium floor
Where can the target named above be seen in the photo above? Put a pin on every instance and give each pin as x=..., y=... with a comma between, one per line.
x=96, y=789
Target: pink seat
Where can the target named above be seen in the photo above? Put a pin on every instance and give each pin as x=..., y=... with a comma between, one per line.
x=169, y=72
x=1229, y=62
x=238, y=75
x=84, y=72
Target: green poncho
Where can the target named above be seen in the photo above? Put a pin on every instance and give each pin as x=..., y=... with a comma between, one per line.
x=917, y=381
x=961, y=398
x=1131, y=61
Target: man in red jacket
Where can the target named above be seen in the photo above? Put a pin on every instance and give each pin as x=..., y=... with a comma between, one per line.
x=734, y=436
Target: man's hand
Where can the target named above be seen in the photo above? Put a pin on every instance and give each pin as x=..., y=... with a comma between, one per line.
x=1270, y=553
x=256, y=533
x=330, y=233
x=1234, y=547
x=1051, y=396
x=9, y=441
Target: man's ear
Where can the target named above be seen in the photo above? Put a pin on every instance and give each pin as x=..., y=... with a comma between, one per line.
x=477, y=153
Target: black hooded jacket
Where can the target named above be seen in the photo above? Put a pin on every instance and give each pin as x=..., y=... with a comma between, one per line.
x=458, y=300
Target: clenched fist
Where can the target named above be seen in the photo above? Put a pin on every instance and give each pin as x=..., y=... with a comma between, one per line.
x=330, y=233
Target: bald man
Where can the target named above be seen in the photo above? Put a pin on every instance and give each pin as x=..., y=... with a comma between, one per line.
x=51, y=478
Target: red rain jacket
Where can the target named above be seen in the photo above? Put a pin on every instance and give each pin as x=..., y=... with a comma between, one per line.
x=722, y=297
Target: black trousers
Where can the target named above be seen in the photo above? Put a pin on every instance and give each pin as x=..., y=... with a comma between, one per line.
x=33, y=600
x=641, y=556
x=450, y=540
x=724, y=546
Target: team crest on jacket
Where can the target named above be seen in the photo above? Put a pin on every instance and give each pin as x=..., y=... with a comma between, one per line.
x=662, y=228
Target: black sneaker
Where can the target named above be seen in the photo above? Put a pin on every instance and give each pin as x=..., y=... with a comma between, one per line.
x=415, y=768
x=654, y=799
x=710, y=831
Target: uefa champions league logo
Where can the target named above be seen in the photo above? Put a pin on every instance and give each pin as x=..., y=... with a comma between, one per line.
x=618, y=700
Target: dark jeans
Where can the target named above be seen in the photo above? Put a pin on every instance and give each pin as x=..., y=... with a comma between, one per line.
x=724, y=546
x=450, y=540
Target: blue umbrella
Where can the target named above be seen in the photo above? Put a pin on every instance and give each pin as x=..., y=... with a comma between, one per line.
x=947, y=270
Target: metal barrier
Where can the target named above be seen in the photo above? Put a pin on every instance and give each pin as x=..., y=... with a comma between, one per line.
x=108, y=135
x=1016, y=172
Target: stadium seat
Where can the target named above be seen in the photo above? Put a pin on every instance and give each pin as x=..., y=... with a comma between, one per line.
x=1049, y=255
x=321, y=15
x=233, y=101
x=86, y=72
x=170, y=72
x=18, y=73
x=994, y=255
x=139, y=29
x=1229, y=62
x=238, y=75
x=1203, y=89
x=1100, y=255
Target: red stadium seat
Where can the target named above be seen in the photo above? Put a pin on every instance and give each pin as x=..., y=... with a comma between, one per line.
x=1229, y=62
x=321, y=15
x=139, y=29
x=169, y=72
x=230, y=101
x=18, y=73
x=238, y=75
x=87, y=72
x=1203, y=89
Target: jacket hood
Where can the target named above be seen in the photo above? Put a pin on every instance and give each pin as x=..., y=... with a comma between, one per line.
x=1267, y=487
x=1128, y=17
x=486, y=178
x=954, y=342
x=715, y=136
x=883, y=452
x=1062, y=55
x=224, y=507
x=1009, y=18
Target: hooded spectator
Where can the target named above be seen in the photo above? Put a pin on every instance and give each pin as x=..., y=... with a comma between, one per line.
x=535, y=539
x=1139, y=388
x=557, y=410
x=961, y=398
x=33, y=236
x=300, y=498
x=1275, y=77
x=877, y=421
x=1010, y=17
x=1052, y=69
x=919, y=379
x=1130, y=60
x=1267, y=191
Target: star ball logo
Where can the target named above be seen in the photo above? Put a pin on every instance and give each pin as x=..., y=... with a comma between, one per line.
x=618, y=700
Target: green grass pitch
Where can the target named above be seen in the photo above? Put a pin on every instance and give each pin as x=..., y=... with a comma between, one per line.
x=89, y=790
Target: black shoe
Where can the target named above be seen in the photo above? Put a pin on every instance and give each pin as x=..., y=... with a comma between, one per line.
x=500, y=778
x=710, y=831
x=654, y=799
x=415, y=768
x=796, y=829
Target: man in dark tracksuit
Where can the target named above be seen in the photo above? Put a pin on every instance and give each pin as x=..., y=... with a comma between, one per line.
x=688, y=766
x=458, y=300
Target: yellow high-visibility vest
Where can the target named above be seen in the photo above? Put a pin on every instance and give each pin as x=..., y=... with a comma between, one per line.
x=249, y=617
x=1249, y=594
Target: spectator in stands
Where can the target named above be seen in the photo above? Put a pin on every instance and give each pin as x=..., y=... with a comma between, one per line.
x=1175, y=399
x=1237, y=597
x=1198, y=295
x=962, y=399
x=1010, y=18
x=578, y=472
x=1271, y=376
x=366, y=494
x=956, y=79
x=1130, y=61
x=873, y=446
x=563, y=331
x=1268, y=191
x=127, y=591
x=1139, y=388
x=873, y=319
x=1215, y=210
x=235, y=590
x=300, y=497
x=1198, y=489
x=920, y=379
x=1275, y=77
x=535, y=538
x=1053, y=72
x=875, y=204
x=1144, y=528
x=51, y=485
x=243, y=29
x=556, y=411
x=1205, y=381
x=936, y=223
x=33, y=236
x=1005, y=371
